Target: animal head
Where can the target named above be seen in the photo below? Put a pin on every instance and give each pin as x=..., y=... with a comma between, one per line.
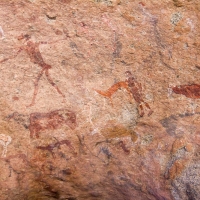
x=176, y=89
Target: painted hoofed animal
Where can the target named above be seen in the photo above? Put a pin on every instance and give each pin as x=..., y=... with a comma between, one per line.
x=50, y=121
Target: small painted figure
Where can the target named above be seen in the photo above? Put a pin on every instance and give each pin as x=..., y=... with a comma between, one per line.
x=190, y=91
x=123, y=146
x=50, y=147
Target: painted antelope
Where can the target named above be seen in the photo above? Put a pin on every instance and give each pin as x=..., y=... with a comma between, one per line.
x=38, y=122
x=50, y=121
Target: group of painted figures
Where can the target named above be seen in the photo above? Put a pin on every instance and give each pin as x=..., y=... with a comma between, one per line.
x=55, y=118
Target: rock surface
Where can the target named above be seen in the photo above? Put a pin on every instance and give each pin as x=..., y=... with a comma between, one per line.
x=99, y=100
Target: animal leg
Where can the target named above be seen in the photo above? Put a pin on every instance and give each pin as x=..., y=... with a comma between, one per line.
x=33, y=132
x=52, y=83
x=147, y=105
x=142, y=110
x=36, y=87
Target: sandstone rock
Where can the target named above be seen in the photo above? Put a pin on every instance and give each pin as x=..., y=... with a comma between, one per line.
x=99, y=100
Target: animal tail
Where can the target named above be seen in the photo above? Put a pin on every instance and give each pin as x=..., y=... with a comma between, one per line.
x=104, y=93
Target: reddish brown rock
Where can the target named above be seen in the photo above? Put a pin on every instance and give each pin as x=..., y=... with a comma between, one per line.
x=143, y=54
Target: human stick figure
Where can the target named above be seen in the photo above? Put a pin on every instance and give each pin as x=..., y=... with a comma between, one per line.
x=33, y=51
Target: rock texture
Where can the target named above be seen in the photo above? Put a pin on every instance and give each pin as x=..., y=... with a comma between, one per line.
x=99, y=100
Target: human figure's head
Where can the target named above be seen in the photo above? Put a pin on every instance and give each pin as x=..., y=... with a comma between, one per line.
x=128, y=74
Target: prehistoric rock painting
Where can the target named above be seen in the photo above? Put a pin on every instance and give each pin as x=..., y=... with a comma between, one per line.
x=50, y=121
x=123, y=146
x=51, y=147
x=190, y=91
x=133, y=88
x=5, y=140
x=33, y=51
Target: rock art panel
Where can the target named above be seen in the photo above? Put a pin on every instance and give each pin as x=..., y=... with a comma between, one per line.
x=69, y=142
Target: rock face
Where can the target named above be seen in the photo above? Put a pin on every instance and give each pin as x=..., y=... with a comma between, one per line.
x=99, y=100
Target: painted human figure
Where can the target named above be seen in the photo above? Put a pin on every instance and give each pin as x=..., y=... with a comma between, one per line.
x=135, y=90
x=33, y=51
x=132, y=87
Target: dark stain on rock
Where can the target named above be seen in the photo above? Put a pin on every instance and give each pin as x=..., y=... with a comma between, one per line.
x=170, y=124
x=20, y=119
x=190, y=194
x=197, y=66
x=118, y=48
x=186, y=185
x=67, y=171
x=51, y=17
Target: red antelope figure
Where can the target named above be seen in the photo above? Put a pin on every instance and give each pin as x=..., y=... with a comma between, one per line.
x=50, y=121
x=190, y=91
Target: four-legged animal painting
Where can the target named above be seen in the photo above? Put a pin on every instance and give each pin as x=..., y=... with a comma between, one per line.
x=50, y=121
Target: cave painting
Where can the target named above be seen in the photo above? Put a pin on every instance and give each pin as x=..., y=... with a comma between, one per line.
x=51, y=147
x=5, y=140
x=190, y=91
x=33, y=51
x=50, y=121
x=132, y=87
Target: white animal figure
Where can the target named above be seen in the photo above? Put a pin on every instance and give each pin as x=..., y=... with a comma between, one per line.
x=5, y=140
